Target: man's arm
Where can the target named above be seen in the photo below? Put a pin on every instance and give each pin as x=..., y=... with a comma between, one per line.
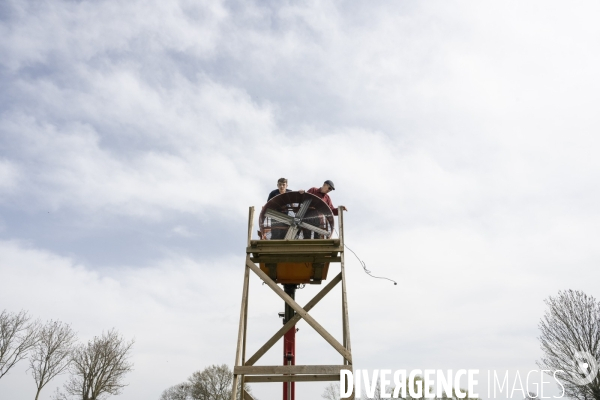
x=330, y=204
x=327, y=200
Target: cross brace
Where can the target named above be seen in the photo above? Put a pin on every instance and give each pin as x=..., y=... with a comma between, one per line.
x=246, y=371
x=300, y=311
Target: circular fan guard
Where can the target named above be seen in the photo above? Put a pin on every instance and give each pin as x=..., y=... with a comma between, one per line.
x=293, y=215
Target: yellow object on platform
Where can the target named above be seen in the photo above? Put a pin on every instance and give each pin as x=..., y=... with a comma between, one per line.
x=288, y=272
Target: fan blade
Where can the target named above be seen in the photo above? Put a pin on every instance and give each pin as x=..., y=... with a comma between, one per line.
x=313, y=228
x=303, y=208
x=279, y=217
x=291, y=233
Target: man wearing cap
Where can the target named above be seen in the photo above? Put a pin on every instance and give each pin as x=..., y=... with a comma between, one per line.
x=322, y=193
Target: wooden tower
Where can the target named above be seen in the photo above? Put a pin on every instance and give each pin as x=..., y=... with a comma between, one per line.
x=289, y=262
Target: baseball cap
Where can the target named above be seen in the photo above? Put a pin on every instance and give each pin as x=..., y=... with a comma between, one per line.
x=330, y=184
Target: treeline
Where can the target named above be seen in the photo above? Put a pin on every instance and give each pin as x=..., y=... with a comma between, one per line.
x=96, y=368
x=212, y=383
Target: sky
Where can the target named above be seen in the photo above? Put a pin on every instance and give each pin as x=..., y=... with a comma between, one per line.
x=462, y=137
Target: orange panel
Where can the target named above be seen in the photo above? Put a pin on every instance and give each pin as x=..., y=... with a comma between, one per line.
x=295, y=272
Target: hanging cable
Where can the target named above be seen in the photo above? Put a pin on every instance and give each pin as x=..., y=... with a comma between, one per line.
x=364, y=265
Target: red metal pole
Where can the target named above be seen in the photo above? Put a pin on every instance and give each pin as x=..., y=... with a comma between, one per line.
x=289, y=358
x=289, y=344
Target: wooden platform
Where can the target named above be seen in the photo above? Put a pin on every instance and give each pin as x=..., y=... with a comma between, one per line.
x=310, y=250
x=295, y=261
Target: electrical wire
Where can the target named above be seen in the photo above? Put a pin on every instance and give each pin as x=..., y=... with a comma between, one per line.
x=364, y=265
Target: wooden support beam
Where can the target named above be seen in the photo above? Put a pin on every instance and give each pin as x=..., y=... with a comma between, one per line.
x=247, y=396
x=245, y=329
x=291, y=369
x=236, y=382
x=345, y=319
x=296, y=307
x=293, y=321
x=250, y=224
x=341, y=226
x=292, y=378
x=241, y=332
x=241, y=342
x=283, y=249
x=299, y=243
x=298, y=258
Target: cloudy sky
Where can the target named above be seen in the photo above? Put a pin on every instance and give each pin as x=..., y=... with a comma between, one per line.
x=134, y=135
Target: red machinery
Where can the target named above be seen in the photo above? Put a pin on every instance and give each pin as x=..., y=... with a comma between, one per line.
x=295, y=216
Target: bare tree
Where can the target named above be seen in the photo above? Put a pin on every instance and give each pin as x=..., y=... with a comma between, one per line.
x=98, y=368
x=570, y=340
x=212, y=383
x=468, y=396
x=51, y=354
x=531, y=396
x=17, y=335
x=180, y=391
x=331, y=392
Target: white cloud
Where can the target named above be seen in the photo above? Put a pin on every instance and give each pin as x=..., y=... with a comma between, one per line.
x=183, y=231
x=461, y=136
x=81, y=31
x=72, y=164
x=9, y=176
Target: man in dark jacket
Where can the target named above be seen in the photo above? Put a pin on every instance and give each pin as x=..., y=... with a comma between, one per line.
x=278, y=229
x=281, y=188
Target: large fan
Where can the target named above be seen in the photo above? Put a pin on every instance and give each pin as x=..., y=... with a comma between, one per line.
x=293, y=215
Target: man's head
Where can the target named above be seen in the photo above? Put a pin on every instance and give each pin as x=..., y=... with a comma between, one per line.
x=282, y=185
x=327, y=186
